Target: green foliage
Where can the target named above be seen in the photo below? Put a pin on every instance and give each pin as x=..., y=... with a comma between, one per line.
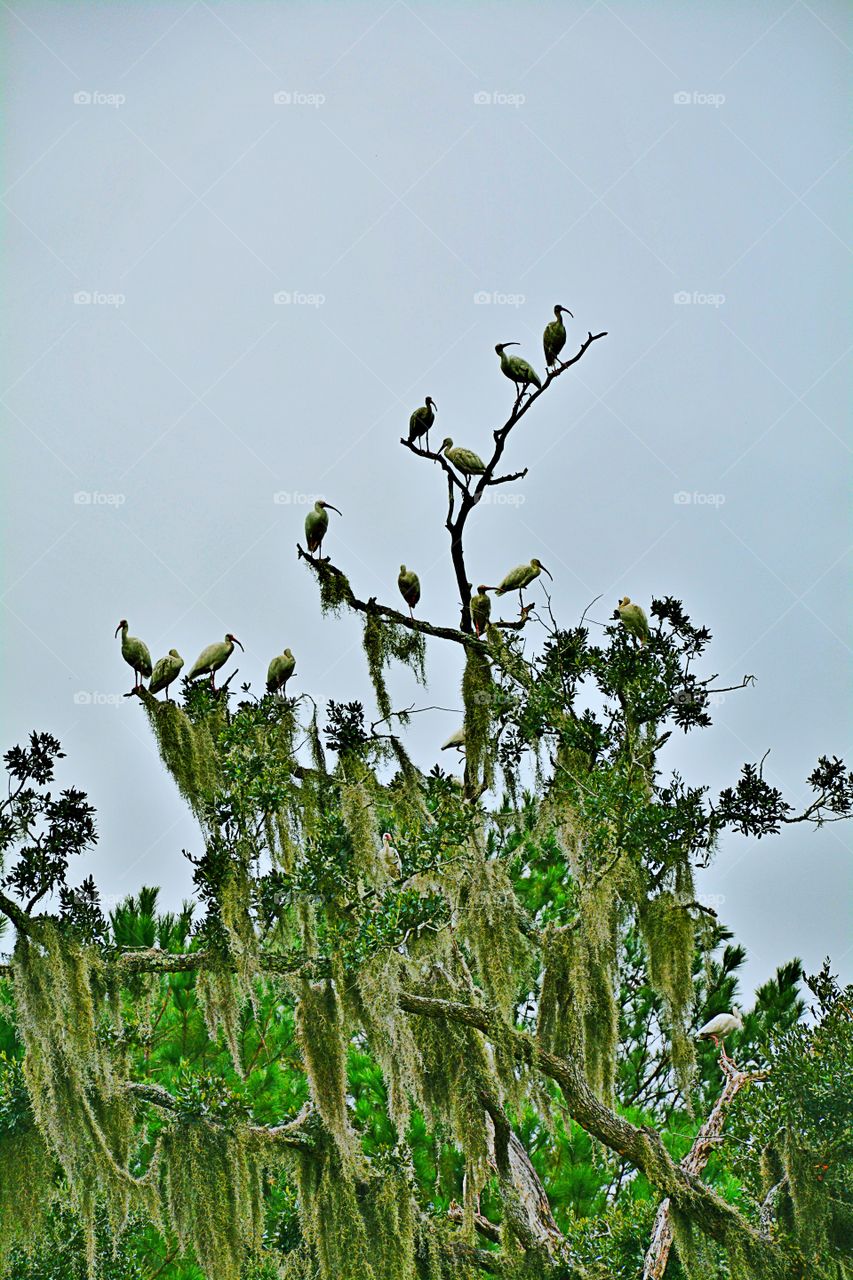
x=385, y=641
x=800, y=1122
x=73, y=1070
x=568, y=910
x=212, y=1190
x=479, y=694
x=27, y=1186
x=187, y=750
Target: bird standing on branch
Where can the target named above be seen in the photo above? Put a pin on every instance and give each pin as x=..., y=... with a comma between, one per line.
x=517, y=370
x=165, y=671
x=464, y=460
x=390, y=858
x=410, y=587
x=280, y=670
x=554, y=337
x=316, y=524
x=213, y=657
x=481, y=609
x=633, y=619
x=721, y=1026
x=421, y=421
x=135, y=654
x=519, y=578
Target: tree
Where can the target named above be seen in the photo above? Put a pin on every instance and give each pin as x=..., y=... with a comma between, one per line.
x=338, y=1065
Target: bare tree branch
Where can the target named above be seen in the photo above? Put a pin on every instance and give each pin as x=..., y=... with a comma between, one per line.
x=704, y=1144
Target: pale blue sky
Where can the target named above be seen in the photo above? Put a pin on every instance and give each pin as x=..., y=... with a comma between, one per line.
x=627, y=153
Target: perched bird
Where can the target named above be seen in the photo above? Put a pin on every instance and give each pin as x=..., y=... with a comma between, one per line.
x=481, y=610
x=421, y=420
x=390, y=858
x=456, y=740
x=517, y=370
x=135, y=653
x=165, y=671
x=519, y=578
x=464, y=460
x=316, y=524
x=213, y=657
x=410, y=586
x=633, y=619
x=554, y=337
x=281, y=669
x=721, y=1026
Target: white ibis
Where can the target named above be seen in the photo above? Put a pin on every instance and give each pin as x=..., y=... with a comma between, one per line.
x=481, y=609
x=280, y=670
x=421, y=421
x=410, y=587
x=213, y=657
x=517, y=370
x=316, y=524
x=554, y=337
x=633, y=619
x=165, y=671
x=519, y=578
x=456, y=740
x=720, y=1026
x=135, y=653
x=390, y=857
x=464, y=460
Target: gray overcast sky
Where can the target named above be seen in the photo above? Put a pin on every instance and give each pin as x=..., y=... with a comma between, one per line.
x=625, y=154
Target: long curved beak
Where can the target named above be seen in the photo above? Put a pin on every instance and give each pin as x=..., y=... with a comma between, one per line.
x=511, y=344
x=117, y=630
x=236, y=641
x=331, y=508
x=544, y=570
x=567, y=311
